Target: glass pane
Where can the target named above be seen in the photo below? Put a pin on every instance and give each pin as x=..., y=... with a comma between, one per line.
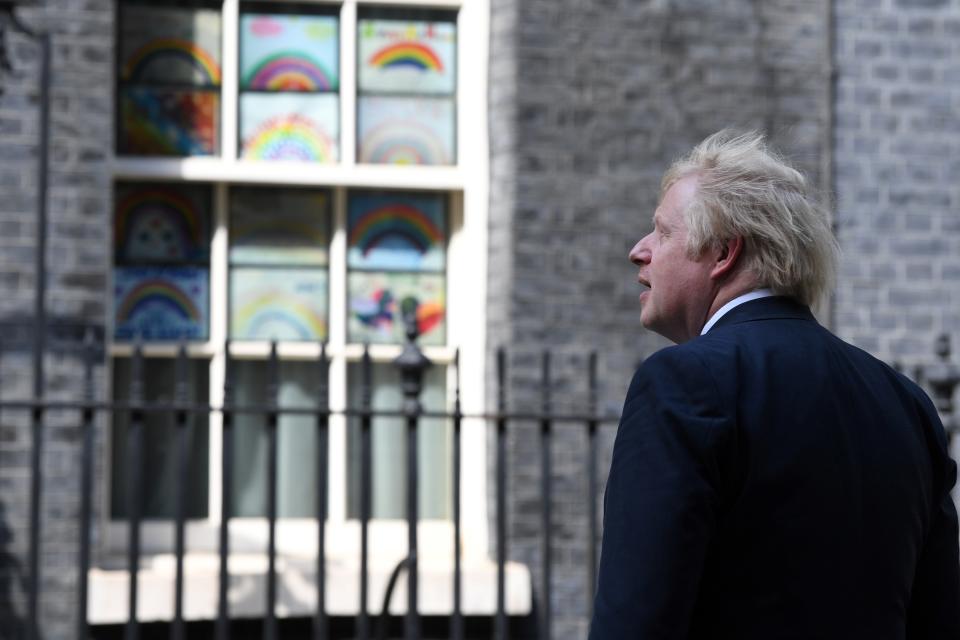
x=375, y=304
x=278, y=304
x=389, y=447
x=397, y=232
x=296, y=441
x=169, y=45
x=406, y=130
x=168, y=122
x=161, y=223
x=288, y=52
x=278, y=226
x=160, y=303
x=289, y=126
x=407, y=56
x=159, y=464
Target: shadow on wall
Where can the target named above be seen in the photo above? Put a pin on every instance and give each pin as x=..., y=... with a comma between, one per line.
x=13, y=581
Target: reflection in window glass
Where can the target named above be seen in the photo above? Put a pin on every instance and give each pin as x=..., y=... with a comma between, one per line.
x=289, y=78
x=298, y=384
x=169, y=70
x=389, y=447
x=159, y=465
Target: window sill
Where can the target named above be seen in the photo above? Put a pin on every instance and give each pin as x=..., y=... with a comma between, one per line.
x=296, y=587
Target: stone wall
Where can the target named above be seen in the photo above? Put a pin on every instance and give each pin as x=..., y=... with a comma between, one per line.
x=898, y=174
x=604, y=96
x=77, y=260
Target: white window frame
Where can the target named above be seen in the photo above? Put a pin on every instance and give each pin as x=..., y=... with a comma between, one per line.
x=467, y=181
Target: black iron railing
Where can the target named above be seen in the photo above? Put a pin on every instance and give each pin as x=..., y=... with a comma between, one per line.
x=412, y=365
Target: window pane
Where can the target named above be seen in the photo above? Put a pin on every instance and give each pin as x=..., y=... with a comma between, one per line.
x=168, y=122
x=278, y=304
x=389, y=447
x=406, y=130
x=161, y=223
x=160, y=303
x=296, y=441
x=160, y=45
x=397, y=231
x=407, y=56
x=288, y=52
x=289, y=126
x=159, y=464
x=375, y=305
x=279, y=226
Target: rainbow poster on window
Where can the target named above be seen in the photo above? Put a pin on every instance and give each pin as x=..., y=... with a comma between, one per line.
x=160, y=303
x=289, y=126
x=278, y=304
x=289, y=52
x=396, y=232
x=415, y=131
x=161, y=223
x=396, y=56
x=278, y=226
x=159, y=122
x=169, y=45
x=375, y=307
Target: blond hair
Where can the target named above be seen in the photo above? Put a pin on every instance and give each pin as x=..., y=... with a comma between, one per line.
x=746, y=190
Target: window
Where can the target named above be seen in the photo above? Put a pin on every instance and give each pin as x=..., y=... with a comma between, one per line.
x=295, y=171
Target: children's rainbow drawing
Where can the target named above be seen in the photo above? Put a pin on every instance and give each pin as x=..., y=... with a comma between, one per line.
x=376, y=299
x=289, y=71
x=280, y=315
x=147, y=208
x=157, y=122
x=162, y=51
x=411, y=54
x=394, y=222
x=289, y=137
x=156, y=293
x=403, y=142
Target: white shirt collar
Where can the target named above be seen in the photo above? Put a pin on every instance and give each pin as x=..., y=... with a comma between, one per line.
x=756, y=294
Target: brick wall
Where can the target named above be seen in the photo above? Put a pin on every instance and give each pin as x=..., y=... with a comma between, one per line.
x=599, y=98
x=78, y=255
x=897, y=143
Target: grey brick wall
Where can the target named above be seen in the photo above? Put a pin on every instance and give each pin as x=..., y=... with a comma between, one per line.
x=600, y=97
x=77, y=267
x=897, y=142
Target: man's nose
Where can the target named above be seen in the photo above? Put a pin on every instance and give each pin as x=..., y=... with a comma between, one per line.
x=640, y=254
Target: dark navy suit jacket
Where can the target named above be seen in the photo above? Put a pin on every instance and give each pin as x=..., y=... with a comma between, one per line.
x=770, y=481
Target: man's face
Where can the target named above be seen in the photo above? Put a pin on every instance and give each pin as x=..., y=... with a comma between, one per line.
x=680, y=293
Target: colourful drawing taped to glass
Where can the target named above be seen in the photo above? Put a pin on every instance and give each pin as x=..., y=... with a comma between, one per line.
x=170, y=46
x=161, y=122
x=161, y=223
x=289, y=126
x=278, y=304
x=160, y=303
x=396, y=232
x=375, y=304
x=289, y=52
x=278, y=226
x=407, y=57
x=406, y=130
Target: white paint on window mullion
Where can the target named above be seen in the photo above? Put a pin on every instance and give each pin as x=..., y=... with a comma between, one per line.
x=229, y=84
x=337, y=477
x=219, y=278
x=348, y=83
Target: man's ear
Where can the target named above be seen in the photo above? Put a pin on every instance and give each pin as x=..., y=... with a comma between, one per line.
x=727, y=256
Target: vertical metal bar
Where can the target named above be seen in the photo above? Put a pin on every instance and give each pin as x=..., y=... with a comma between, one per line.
x=412, y=620
x=134, y=487
x=183, y=462
x=363, y=621
x=226, y=488
x=501, y=621
x=39, y=338
x=546, y=482
x=456, y=623
x=270, y=623
x=86, y=483
x=592, y=485
x=323, y=420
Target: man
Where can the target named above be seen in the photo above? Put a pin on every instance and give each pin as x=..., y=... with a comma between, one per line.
x=769, y=481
